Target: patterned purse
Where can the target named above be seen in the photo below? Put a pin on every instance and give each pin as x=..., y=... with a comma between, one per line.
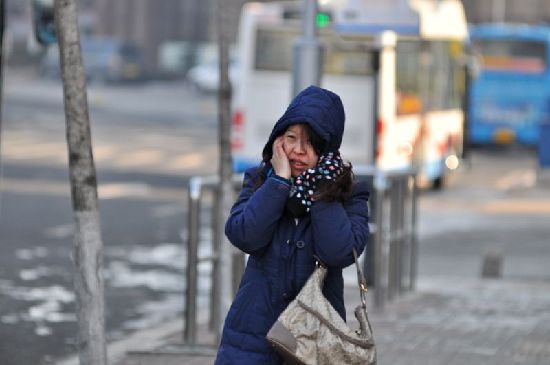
x=311, y=332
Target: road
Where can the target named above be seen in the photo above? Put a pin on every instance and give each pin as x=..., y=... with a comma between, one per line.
x=147, y=142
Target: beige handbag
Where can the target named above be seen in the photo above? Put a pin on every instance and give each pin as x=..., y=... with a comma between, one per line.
x=311, y=332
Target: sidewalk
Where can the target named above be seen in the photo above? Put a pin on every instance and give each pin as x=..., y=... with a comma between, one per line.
x=454, y=317
x=445, y=321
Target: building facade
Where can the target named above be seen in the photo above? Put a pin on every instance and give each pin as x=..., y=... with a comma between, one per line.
x=152, y=23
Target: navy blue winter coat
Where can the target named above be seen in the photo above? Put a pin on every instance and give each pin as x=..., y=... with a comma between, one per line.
x=281, y=248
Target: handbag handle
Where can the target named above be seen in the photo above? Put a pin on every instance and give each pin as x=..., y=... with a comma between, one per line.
x=361, y=281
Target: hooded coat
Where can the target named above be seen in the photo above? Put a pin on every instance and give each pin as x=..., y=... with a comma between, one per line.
x=281, y=248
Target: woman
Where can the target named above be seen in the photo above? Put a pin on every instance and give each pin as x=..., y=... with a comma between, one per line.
x=299, y=205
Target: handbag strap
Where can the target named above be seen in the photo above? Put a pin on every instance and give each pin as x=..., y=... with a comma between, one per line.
x=361, y=281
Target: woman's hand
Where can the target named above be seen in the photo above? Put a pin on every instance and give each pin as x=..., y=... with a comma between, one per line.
x=279, y=161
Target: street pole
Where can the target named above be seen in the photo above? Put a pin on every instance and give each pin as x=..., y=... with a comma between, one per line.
x=223, y=273
x=308, y=52
x=499, y=11
x=88, y=250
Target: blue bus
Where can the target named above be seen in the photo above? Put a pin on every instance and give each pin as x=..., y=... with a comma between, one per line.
x=510, y=94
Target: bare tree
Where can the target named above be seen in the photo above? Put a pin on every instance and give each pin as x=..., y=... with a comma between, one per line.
x=2, y=18
x=88, y=250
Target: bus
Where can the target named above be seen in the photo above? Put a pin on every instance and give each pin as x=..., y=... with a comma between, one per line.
x=397, y=65
x=509, y=94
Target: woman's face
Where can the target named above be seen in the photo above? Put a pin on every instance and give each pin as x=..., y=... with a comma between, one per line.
x=297, y=146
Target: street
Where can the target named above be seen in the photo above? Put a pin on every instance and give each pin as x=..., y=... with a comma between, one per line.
x=148, y=141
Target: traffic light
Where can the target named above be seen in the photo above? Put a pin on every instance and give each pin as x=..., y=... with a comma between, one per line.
x=43, y=20
x=323, y=19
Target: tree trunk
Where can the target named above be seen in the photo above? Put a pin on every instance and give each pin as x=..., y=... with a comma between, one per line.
x=2, y=27
x=88, y=250
x=225, y=193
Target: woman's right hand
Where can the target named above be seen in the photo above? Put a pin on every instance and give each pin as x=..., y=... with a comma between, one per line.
x=279, y=161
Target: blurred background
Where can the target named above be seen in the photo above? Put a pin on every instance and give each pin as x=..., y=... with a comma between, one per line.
x=469, y=109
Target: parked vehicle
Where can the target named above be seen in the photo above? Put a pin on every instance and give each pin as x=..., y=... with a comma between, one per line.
x=205, y=77
x=105, y=60
x=510, y=96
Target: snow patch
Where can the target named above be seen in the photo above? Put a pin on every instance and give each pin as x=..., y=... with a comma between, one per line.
x=36, y=273
x=30, y=254
x=120, y=275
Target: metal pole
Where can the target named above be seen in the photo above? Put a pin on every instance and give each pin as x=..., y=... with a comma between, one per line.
x=308, y=52
x=401, y=237
x=369, y=262
x=193, y=232
x=215, y=315
x=499, y=11
x=376, y=61
x=380, y=277
x=393, y=270
x=407, y=230
x=414, y=241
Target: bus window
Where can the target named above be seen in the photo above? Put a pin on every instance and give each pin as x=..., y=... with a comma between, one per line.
x=511, y=55
x=344, y=57
x=408, y=96
x=274, y=52
x=447, y=77
x=427, y=74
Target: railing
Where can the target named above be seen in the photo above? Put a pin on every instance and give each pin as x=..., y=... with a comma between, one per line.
x=198, y=187
x=390, y=265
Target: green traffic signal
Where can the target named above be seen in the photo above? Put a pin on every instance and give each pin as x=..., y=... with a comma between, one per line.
x=322, y=20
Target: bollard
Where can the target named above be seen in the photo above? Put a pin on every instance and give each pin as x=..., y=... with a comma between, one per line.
x=492, y=265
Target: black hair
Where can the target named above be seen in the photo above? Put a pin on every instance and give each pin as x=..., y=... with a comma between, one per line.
x=339, y=189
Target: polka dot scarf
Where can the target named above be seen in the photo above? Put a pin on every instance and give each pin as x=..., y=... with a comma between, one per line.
x=304, y=186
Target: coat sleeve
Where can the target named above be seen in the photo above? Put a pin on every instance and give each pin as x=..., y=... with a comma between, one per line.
x=256, y=213
x=340, y=227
